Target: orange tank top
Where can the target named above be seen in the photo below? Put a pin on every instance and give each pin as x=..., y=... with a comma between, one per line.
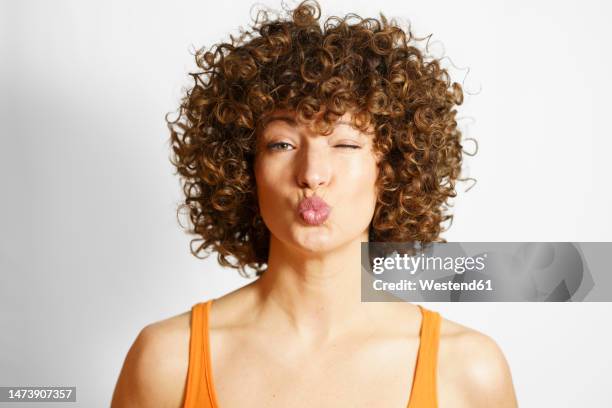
x=200, y=391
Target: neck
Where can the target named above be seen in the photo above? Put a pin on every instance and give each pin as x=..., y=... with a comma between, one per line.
x=319, y=293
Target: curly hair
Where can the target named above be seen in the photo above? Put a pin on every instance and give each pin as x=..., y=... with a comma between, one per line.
x=369, y=67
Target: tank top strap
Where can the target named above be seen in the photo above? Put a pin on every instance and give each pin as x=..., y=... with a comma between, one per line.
x=424, y=385
x=198, y=392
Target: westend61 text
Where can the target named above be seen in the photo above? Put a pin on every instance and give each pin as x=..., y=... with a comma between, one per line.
x=430, y=284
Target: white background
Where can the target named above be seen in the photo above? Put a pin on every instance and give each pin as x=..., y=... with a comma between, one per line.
x=90, y=249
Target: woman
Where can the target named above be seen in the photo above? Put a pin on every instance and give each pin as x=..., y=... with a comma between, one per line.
x=296, y=144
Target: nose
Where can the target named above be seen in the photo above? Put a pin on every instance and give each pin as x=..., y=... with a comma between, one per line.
x=314, y=168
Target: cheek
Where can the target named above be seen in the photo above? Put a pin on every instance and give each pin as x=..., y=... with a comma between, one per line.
x=269, y=185
x=360, y=179
x=359, y=193
x=267, y=176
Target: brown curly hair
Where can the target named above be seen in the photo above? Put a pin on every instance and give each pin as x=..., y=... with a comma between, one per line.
x=369, y=67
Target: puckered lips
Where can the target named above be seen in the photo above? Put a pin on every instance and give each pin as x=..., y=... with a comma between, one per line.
x=314, y=210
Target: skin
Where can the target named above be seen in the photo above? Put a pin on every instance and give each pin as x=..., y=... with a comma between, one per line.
x=300, y=336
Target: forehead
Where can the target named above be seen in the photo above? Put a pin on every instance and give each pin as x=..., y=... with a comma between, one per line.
x=290, y=119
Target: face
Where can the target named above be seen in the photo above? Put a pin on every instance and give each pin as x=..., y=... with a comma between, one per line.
x=293, y=163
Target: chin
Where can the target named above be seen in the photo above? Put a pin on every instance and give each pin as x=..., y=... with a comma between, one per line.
x=314, y=240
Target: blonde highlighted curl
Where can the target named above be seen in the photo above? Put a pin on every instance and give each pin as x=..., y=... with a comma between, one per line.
x=367, y=66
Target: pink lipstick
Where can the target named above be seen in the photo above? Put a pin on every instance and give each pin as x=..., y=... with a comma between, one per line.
x=314, y=210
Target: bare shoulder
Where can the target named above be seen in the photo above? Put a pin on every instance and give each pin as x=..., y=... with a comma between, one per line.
x=474, y=367
x=154, y=372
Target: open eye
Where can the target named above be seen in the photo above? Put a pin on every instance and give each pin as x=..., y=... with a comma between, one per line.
x=278, y=146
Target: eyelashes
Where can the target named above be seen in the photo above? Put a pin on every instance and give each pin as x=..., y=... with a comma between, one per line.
x=277, y=146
